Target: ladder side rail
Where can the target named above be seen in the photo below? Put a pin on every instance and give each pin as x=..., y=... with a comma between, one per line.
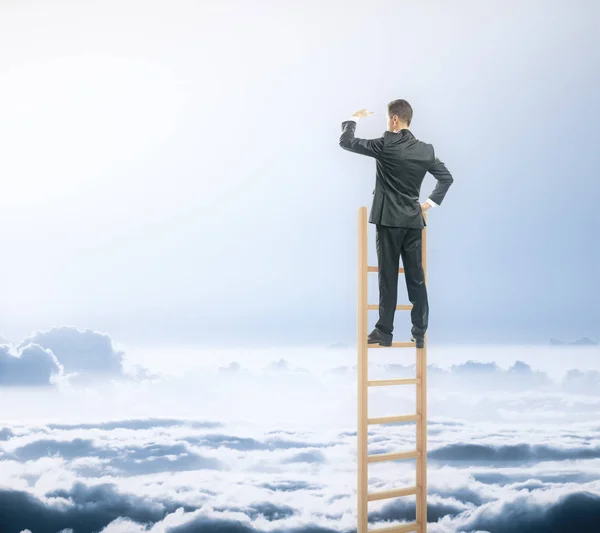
x=362, y=373
x=421, y=401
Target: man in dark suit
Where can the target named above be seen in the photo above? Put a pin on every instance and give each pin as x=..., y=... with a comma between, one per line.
x=402, y=162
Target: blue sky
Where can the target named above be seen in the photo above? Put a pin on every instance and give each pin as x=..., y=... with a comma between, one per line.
x=172, y=173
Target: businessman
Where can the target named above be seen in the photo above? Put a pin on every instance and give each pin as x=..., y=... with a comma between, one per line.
x=402, y=162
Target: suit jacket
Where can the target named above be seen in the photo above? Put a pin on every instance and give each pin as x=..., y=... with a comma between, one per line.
x=402, y=162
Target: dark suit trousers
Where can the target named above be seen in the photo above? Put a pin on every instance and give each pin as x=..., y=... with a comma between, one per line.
x=393, y=243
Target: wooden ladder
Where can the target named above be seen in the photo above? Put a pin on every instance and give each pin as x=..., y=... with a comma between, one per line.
x=420, y=417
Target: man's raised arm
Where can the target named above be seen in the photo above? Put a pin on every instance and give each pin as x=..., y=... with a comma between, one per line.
x=369, y=147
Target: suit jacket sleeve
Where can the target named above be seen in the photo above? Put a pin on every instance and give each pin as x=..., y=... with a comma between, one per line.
x=444, y=180
x=369, y=147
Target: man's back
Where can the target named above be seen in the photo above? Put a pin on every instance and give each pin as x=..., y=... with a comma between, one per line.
x=402, y=162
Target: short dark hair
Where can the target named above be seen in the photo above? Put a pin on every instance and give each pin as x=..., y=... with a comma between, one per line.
x=402, y=109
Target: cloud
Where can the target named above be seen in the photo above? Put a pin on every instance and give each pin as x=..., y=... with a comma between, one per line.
x=515, y=479
x=88, y=509
x=404, y=510
x=234, y=368
x=266, y=510
x=249, y=444
x=290, y=486
x=511, y=453
x=472, y=374
x=306, y=457
x=582, y=382
x=578, y=511
x=484, y=376
x=32, y=365
x=275, y=480
x=204, y=524
x=67, y=449
x=149, y=423
x=299, y=474
x=85, y=352
x=283, y=366
x=124, y=460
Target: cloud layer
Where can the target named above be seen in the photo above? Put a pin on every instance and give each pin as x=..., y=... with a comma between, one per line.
x=135, y=476
x=271, y=447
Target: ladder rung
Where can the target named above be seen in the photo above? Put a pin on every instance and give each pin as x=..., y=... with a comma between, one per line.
x=376, y=269
x=383, y=382
x=392, y=419
x=400, y=528
x=402, y=307
x=395, y=345
x=378, y=457
x=387, y=494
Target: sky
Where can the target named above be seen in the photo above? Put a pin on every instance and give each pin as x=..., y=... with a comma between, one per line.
x=171, y=173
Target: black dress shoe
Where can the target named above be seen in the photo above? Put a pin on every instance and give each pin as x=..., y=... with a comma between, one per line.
x=420, y=342
x=379, y=337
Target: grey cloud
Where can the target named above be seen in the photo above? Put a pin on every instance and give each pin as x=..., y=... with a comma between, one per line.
x=306, y=457
x=204, y=525
x=582, y=382
x=282, y=444
x=574, y=512
x=249, y=444
x=126, y=461
x=404, y=510
x=445, y=423
x=341, y=370
x=68, y=449
x=136, y=424
x=31, y=366
x=228, y=441
x=5, y=434
x=480, y=376
x=511, y=453
x=530, y=484
x=80, y=351
x=290, y=486
x=282, y=365
x=127, y=466
x=233, y=368
x=267, y=510
x=489, y=375
x=89, y=510
x=501, y=479
x=462, y=494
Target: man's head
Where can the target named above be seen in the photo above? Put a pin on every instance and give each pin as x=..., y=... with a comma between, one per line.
x=399, y=115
